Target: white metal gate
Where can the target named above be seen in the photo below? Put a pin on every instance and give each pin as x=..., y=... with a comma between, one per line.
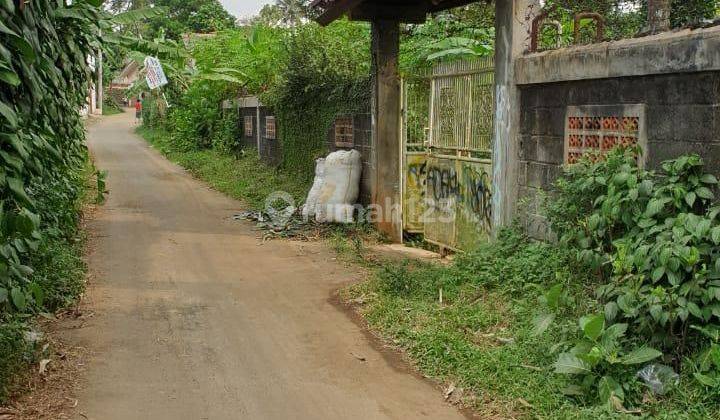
x=454, y=164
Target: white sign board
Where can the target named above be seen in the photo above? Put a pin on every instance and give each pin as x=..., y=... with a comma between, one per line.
x=155, y=75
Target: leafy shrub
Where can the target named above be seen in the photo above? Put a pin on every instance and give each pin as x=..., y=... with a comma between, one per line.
x=15, y=351
x=151, y=113
x=654, y=239
x=44, y=75
x=707, y=367
x=44, y=78
x=601, y=360
x=226, y=136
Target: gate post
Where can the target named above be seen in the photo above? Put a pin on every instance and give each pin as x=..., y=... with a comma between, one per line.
x=513, y=21
x=386, y=142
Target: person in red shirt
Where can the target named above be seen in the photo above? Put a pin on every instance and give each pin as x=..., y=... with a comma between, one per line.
x=138, y=110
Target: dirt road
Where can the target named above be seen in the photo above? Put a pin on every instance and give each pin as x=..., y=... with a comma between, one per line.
x=193, y=319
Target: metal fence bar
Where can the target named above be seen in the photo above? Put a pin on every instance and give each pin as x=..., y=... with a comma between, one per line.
x=462, y=101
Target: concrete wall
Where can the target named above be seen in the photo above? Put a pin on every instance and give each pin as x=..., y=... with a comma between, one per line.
x=270, y=149
x=247, y=142
x=674, y=77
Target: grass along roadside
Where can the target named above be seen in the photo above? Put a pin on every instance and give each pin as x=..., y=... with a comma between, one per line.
x=243, y=178
x=247, y=179
x=468, y=325
x=59, y=271
x=479, y=340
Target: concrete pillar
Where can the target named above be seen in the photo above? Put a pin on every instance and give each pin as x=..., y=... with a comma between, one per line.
x=386, y=128
x=513, y=22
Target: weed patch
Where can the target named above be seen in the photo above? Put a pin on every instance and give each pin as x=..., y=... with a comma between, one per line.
x=482, y=338
x=243, y=177
x=58, y=277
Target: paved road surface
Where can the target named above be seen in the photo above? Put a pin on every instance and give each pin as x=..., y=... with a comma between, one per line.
x=195, y=320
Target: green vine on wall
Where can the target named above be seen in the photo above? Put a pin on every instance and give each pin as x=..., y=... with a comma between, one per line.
x=45, y=78
x=326, y=74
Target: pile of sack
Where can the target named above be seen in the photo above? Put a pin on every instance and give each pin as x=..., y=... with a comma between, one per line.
x=336, y=188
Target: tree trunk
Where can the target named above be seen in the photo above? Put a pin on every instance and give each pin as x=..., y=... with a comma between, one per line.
x=658, y=16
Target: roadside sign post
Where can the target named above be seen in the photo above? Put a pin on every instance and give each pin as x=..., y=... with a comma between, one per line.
x=155, y=75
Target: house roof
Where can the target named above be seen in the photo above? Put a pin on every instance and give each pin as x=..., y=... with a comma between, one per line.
x=408, y=11
x=130, y=69
x=129, y=74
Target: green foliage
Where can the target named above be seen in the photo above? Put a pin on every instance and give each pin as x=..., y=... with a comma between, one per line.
x=180, y=17
x=306, y=75
x=44, y=78
x=600, y=361
x=15, y=351
x=101, y=187
x=688, y=12
x=457, y=33
x=210, y=16
x=707, y=363
x=243, y=177
x=483, y=337
x=623, y=19
x=194, y=118
x=655, y=236
x=283, y=12
x=132, y=16
x=325, y=73
x=226, y=138
x=111, y=106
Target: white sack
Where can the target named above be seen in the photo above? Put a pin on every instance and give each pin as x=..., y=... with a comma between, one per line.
x=340, y=188
x=310, y=206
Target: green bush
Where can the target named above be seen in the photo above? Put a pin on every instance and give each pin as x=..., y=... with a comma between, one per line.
x=226, y=135
x=604, y=362
x=326, y=73
x=44, y=78
x=15, y=350
x=653, y=239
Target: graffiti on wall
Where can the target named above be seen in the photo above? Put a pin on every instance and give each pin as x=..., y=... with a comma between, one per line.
x=477, y=196
x=414, y=192
x=470, y=189
x=459, y=202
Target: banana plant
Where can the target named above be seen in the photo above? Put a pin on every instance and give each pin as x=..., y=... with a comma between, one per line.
x=458, y=47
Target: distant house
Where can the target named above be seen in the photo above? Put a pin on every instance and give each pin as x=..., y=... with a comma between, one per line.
x=124, y=81
x=127, y=77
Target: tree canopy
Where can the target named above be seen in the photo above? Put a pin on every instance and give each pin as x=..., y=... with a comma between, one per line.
x=200, y=16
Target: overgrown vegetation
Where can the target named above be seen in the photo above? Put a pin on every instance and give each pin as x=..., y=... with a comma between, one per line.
x=653, y=241
x=243, y=177
x=201, y=16
x=615, y=319
x=305, y=75
x=44, y=78
x=623, y=18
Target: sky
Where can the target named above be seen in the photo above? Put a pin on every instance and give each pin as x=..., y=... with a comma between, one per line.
x=244, y=8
